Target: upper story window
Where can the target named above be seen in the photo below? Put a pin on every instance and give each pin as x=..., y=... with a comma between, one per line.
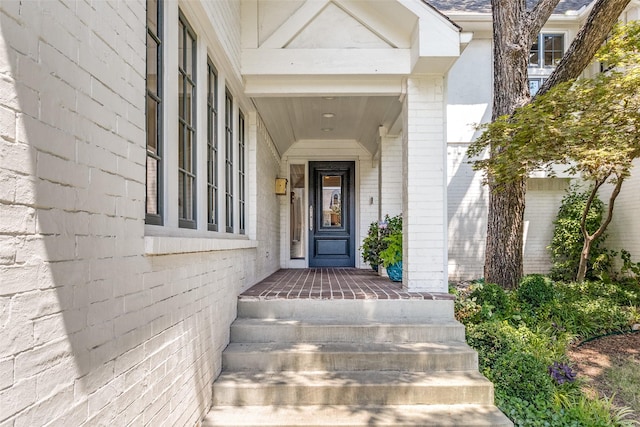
x=547, y=50
x=153, y=205
x=186, y=125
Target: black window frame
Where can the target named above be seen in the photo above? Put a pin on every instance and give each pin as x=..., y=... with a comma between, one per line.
x=229, y=142
x=187, y=124
x=212, y=148
x=156, y=97
x=241, y=174
x=538, y=50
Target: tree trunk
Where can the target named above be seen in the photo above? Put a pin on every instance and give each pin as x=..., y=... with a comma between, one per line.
x=505, y=223
x=514, y=29
x=584, y=259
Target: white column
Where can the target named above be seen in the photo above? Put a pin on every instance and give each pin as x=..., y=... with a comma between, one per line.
x=424, y=186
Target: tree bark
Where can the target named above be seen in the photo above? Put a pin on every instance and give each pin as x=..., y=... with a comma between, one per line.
x=514, y=30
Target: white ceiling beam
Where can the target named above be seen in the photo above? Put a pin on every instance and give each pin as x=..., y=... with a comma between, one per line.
x=296, y=23
x=269, y=86
x=294, y=62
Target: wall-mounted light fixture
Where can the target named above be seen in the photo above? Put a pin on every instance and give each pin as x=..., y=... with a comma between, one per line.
x=281, y=186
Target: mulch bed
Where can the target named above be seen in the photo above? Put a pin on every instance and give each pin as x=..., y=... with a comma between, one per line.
x=592, y=358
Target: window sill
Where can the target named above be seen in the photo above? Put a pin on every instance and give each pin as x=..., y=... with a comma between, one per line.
x=181, y=242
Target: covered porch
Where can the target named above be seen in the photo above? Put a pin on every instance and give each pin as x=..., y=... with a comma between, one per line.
x=333, y=284
x=355, y=115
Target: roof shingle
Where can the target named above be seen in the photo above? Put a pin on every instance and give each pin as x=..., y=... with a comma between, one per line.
x=484, y=6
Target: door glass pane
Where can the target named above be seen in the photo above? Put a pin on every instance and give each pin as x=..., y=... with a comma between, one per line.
x=296, y=212
x=331, y=201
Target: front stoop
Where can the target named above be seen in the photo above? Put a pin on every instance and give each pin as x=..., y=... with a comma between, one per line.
x=350, y=363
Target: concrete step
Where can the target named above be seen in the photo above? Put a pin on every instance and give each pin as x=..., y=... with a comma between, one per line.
x=288, y=330
x=273, y=357
x=391, y=311
x=352, y=388
x=357, y=416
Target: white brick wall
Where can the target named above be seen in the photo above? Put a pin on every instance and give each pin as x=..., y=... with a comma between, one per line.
x=624, y=230
x=424, y=186
x=543, y=199
x=391, y=176
x=467, y=215
x=92, y=330
x=267, y=212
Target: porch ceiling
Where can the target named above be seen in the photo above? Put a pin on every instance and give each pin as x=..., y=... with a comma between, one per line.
x=322, y=118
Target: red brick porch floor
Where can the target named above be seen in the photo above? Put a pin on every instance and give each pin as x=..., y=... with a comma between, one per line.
x=332, y=283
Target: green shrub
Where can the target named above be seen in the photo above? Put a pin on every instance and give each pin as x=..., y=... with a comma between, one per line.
x=522, y=375
x=566, y=244
x=536, y=290
x=491, y=339
x=492, y=295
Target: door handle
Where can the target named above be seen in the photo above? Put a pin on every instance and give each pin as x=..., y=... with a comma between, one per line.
x=311, y=217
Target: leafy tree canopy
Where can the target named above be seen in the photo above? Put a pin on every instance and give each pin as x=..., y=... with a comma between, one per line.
x=591, y=125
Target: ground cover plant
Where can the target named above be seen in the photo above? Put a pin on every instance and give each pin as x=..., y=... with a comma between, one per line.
x=523, y=338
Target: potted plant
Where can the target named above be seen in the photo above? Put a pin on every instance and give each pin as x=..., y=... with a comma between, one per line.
x=371, y=246
x=391, y=256
x=374, y=242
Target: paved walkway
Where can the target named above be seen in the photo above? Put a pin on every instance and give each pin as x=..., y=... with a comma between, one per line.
x=333, y=283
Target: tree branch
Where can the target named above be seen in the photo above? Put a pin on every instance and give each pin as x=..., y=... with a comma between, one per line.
x=587, y=207
x=589, y=39
x=537, y=17
x=612, y=200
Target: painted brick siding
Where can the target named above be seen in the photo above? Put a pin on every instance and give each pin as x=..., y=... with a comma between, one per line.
x=391, y=171
x=624, y=230
x=92, y=330
x=543, y=199
x=467, y=215
x=424, y=186
x=267, y=212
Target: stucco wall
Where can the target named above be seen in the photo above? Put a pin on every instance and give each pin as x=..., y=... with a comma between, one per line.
x=101, y=324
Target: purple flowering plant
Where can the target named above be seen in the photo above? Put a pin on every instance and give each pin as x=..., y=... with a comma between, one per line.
x=562, y=373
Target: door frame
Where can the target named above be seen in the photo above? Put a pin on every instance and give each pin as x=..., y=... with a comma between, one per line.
x=331, y=237
x=286, y=261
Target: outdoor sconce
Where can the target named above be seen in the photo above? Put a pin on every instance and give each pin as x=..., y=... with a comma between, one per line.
x=281, y=186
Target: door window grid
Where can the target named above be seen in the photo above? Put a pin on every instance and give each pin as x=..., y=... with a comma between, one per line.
x=153, y=203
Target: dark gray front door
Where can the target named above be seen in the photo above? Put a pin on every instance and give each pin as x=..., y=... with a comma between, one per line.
x=332, y=219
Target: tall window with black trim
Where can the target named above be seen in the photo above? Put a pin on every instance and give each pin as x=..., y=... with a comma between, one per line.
x=186, y=125
x=212, y=147
x=228, y=124
x=153, y=204
x=241, y=174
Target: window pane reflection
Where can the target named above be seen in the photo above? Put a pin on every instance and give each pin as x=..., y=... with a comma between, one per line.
x=331, y=201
